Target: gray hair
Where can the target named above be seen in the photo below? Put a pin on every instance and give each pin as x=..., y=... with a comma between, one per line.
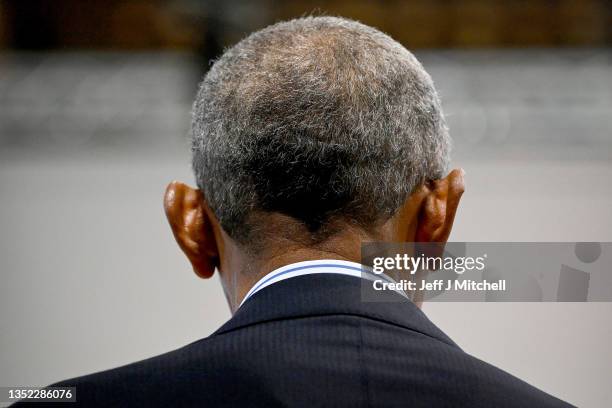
x=319, y=119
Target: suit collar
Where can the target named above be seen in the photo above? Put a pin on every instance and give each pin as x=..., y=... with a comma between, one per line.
x=329, y=266
x=329, y=294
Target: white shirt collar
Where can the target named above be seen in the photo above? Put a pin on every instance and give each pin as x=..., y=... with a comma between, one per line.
x=333, y=266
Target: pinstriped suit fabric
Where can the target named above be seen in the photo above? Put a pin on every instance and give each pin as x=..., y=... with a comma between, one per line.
x=310, y=341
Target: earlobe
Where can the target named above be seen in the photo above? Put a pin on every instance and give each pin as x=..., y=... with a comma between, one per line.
x=439, y=208
x=431, y=216
x=192, y=227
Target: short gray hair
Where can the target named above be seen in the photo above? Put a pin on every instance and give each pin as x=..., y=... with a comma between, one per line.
x=320, y=119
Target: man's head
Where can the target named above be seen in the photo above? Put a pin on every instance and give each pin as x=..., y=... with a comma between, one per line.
x=314, y=134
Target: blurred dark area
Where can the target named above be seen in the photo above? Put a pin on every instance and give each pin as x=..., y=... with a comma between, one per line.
x=207, y=26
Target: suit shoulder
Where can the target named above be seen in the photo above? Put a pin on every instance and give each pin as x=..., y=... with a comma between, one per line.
x=502, y=389
x=159, y=378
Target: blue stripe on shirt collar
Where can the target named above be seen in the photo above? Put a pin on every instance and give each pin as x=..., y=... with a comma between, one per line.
x=330, y=266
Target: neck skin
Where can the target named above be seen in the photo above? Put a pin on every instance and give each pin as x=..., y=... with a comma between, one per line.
x=239, y=273
x=245, y=280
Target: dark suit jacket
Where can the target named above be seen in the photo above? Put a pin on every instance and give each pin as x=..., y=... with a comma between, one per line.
x=310, y=341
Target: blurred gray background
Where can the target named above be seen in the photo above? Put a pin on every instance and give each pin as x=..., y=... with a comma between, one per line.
x=89, y=138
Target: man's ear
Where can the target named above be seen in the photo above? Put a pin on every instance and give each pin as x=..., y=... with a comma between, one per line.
x=439, y=206
x=192, y=226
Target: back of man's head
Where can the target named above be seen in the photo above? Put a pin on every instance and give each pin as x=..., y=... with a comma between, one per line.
x=321, y=119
